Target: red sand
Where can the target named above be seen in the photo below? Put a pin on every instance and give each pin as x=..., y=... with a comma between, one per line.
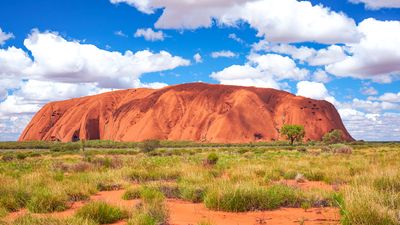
x=194, y=111
x=185, y=213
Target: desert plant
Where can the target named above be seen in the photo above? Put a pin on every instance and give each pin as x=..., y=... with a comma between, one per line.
x=132, y=193
x=293, y=132
x=101, y=212
x=250, y=198
x=342, y=148
x=211, y=159
x=301, y=149
x=152, y=211
x=45, y=200
x=28, y=219
x=63, y=147
x=149, y=145
x=333, y=137
x=193, y=193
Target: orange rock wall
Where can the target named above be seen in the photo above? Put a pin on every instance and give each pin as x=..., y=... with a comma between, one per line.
x=195, y=111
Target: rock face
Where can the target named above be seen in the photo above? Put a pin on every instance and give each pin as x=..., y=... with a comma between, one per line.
x=195, y=111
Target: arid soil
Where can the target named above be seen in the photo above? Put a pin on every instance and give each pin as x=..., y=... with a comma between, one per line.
x=194, y=112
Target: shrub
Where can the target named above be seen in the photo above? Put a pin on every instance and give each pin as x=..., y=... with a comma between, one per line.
x=151, y=195
x=342, y=149
x=314, y=175
x=169, y=190
x=101, y=212
x=131, y=193
x=45, y=200
x=192, y=193
x=242, y=199
x=149, y=145
x=333, y=137
x=12, y=196
x=301, y=149
x=326, y=149
x=212, y=159
x=21, y=156
x=153, y=174
x=387, y=183
x=361, y=206
x=3, y=212
x=153, y=210
x=80, y=167
x=8, y=157
x=64, y=147
x=107, y=162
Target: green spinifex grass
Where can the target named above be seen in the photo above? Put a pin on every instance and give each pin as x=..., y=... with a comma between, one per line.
x=101, y=212
x=152, y=211
x=247, y=197
x=45, y=200
x=31, y=220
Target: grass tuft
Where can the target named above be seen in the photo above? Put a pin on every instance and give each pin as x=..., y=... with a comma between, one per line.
x=101, y=213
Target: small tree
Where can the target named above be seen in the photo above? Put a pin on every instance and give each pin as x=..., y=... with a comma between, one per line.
x=293, y=132
x=333, y=137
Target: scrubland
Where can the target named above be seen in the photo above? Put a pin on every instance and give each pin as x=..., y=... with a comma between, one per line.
x=40, y=180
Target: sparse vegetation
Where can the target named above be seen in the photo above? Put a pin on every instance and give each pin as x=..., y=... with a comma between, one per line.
x=364, y=178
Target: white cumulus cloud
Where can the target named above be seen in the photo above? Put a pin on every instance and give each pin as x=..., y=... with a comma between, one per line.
x=224, y=54
x=314, y=90
x=378, y=4
x=276, y=20
x=197, y=58
x=5, y=36
x=376, y=56
x=150, y=35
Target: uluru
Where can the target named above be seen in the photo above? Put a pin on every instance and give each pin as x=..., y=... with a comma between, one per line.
x=197, y=112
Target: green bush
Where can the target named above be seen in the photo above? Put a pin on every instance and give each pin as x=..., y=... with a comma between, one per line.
x=101, y=213
x=149, y=145
x=212, y=159
x=45, y=200
x=21, y=156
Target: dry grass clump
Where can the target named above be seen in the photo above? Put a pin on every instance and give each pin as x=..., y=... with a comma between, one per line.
x=152, y=211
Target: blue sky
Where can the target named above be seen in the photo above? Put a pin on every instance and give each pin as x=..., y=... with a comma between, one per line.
x=341, y=51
